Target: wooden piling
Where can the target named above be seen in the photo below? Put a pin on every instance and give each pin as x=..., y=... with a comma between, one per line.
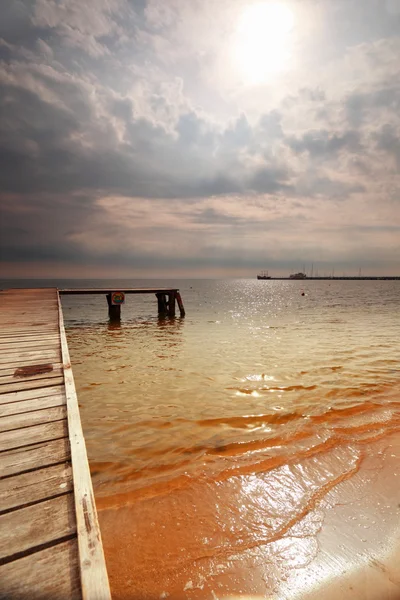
x=114, y=311
x=171, y=304
x=180, y=304
x=162, y=304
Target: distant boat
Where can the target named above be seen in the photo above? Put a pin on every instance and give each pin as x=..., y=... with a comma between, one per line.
x=298, y=276
x=264, y=275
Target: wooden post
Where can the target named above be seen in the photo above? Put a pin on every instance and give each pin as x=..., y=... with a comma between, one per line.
x=180, y=304
x=162, y=304
x=114, y=311
x=171, y=304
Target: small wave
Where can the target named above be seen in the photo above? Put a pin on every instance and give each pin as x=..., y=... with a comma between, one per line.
x=270, y=388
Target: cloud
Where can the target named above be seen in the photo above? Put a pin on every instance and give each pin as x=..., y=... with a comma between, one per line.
x=322, y=144
x=124, y=117
x=60, y=133
x=80, y=25
x=388, y=140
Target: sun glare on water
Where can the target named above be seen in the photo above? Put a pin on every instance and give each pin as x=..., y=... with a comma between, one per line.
x=262, y=41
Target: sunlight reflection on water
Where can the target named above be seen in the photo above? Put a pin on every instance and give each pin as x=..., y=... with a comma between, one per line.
x=145, y=386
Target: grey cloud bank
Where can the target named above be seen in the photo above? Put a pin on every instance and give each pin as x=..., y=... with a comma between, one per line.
x=128, y=140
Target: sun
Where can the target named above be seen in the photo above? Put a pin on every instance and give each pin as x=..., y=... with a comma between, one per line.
x=261, y=45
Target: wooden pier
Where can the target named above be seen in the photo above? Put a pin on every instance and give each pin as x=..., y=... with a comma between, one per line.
x=167, y=298
x=50, y=543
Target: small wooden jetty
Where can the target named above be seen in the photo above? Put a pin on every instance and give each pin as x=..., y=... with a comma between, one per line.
x=50, y=543
x=167, y=298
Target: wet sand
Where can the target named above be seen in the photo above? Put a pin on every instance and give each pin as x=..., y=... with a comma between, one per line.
x=323, y=526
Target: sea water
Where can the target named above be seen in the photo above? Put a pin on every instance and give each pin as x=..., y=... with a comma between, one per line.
x=218, y=436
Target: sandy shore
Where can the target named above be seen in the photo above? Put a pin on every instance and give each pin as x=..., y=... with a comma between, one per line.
x=325, y=526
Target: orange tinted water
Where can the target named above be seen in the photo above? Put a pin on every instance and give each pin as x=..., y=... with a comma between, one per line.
x=220, y=444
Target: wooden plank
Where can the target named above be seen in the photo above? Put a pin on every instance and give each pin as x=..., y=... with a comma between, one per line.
x=24, y=346
x=18, y=328
x=35, y=486
x=28, y=458
x=15, y=379
x=31, y=394
x=15, y=353
x=8, y=357
x=15, y=408
x=13, y=310
x=17, y=314
x=94, y=578
x=27, y=528
x=27, y=320
x=50, y=330
x=32, y=324
x=28, y=419
x=25, y=303
x=9, y=361
x=34, y=292
x=30, y=343
x=23, y=328
x=33, y=435
x=27, y=333
x=25, y=339
x=10, y=314
x=45, y=575
x=33, y=333
x=38, y=298
x=7, y=388
x=18, y=342
x=29, y=306
x=13, y=297
x=11, y=369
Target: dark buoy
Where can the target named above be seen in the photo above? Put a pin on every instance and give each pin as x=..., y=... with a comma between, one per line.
x=302, y=293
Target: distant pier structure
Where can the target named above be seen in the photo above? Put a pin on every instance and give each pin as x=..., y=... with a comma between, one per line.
x=303, y=277
x=167, y=299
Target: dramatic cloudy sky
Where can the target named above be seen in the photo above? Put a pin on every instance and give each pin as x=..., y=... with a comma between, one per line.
x=199, y=137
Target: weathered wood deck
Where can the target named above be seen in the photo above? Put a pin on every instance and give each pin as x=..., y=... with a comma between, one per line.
x=50, y=544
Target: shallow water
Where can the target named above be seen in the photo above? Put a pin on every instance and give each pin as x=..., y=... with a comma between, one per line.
x=223, y=434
